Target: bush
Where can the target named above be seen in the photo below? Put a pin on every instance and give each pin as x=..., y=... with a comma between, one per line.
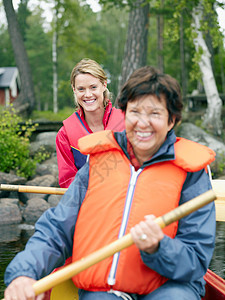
x=15, y=145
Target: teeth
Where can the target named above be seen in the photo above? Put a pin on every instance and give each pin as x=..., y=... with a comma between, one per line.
x=89, y=101
x=143, y=134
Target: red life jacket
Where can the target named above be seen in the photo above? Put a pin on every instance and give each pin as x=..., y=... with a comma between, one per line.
x=75, y=129
x=107, y=208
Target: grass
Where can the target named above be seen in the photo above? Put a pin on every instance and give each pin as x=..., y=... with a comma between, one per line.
x=51, y=116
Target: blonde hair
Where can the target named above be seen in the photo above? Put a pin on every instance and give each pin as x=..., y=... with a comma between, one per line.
x=89, y=66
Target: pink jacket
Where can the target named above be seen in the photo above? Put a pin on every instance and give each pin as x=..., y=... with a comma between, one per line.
x=69, y=158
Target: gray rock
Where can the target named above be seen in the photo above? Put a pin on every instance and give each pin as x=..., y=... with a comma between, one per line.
x=53, y=200
x=48, y=136
x=196, y=134
x=7, y=178
x=34, y=209
x=30, y=206
x=51, y=161
x=9, y=211
x=22, y=197
x=9, y=233
x=27, y=227
x=43, y=181
x=45, y=141
x=10, y=201
x=49, y=166
x=36, y=147
x=47, y=169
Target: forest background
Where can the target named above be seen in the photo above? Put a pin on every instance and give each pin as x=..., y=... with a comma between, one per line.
x=112, y=36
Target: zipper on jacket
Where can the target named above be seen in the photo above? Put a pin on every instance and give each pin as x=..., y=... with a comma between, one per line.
x=126, y=212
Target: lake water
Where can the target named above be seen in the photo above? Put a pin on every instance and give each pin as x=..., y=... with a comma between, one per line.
x=12, y=240
x=14, y=237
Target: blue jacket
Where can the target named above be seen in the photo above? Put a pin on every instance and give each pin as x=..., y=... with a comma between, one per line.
x=184, y=258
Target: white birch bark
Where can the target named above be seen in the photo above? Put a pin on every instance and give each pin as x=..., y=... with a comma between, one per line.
x=212, y=118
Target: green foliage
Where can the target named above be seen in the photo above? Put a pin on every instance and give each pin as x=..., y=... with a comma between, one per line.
x=65, y=93
x=38, y=46
x=6, y=51
x=97, y=36
x=130, y=4
x=198, y=123
x=49, y=115
x=209, y=28
x=23, y=13
x=109, y=32
x=14, y=146
x=218, y=167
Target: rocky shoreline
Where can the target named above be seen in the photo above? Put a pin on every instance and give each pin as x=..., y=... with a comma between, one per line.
x=17, y=207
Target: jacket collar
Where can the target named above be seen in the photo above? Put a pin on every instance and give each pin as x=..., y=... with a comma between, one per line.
x=165, y=153
x=105, y=119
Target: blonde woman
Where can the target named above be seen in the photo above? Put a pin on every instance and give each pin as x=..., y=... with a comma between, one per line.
x=94, y=113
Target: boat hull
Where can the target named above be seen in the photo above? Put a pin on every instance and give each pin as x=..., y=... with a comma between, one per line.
x=66, y=290
x=215, y=286
x=215, y=289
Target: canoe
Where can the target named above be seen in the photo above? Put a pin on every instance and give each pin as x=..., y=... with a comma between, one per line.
x=65, y=290
x=215, y=289
x=215, y=286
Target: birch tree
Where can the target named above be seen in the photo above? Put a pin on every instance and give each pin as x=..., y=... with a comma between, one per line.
x=199, y=15
x=212, y=118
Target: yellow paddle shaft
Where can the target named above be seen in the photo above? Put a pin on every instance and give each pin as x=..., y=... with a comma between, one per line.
x=32, y=189
x=69, y=271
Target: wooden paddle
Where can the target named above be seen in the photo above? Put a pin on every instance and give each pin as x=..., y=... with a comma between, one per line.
x=32, y=189
x=218, y=187
x=69, y=271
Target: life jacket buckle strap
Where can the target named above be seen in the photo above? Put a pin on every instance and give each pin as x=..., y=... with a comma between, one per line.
x=122, y=295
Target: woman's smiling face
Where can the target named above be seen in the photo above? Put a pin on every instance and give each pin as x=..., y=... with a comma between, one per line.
x=147, y=125
x=89, y=92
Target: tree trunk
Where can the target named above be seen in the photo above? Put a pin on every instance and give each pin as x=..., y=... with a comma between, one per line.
x=54, y=60
x=135, y=54
x=182, y=59
x=26, y=101
x=212, y=118
x=160, y=29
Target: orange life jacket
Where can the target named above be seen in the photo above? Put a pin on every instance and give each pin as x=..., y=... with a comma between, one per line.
x=113, y=205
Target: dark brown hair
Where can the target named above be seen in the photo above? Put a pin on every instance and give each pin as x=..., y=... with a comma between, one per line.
x=150, y=81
